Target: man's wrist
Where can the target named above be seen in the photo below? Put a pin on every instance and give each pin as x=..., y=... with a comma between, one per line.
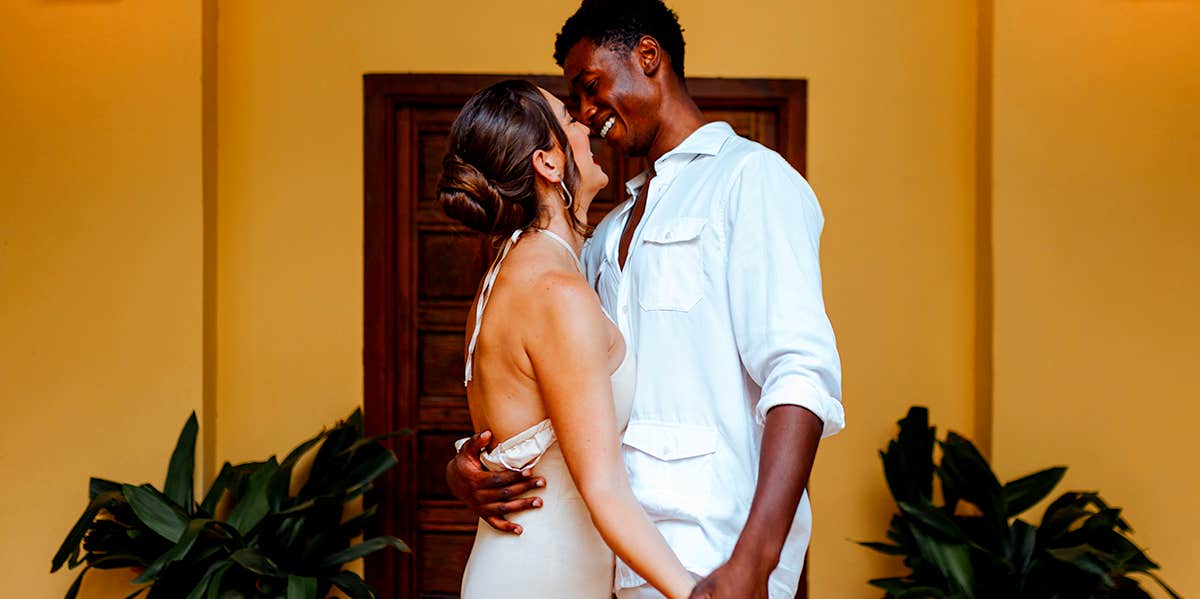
x=759, y=558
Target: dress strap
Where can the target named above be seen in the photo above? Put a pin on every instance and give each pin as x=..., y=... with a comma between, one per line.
x=486, y=292
x=565, y=244
x=490, y=279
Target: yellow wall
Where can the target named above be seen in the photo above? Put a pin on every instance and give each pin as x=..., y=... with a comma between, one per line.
x=1096, y=203
x=891, y=146
x=116, y=273
x=100, y=262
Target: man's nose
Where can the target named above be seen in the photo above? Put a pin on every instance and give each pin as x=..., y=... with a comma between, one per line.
x=588, y=110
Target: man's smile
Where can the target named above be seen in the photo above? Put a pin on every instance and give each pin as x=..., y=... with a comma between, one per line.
x=607, y=126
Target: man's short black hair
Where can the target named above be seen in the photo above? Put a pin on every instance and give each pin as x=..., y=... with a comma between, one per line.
x=619, y=24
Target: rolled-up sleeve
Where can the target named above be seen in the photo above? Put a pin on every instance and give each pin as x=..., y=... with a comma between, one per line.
x=786, y=343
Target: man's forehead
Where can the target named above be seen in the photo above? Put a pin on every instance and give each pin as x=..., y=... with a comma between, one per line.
x=587, y=56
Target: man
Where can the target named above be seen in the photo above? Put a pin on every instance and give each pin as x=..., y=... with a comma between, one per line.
x=712, y=273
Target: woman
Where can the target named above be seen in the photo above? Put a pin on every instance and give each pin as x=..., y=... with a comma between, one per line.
x=547, y=371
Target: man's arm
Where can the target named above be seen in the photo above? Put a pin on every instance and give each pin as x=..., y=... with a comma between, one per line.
x=787, y=347
x=491, y=495
x=789, y=448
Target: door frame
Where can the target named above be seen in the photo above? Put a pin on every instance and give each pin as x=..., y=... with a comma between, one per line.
x=390, y=264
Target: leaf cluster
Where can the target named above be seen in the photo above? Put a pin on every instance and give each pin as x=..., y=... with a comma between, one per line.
x=250, y=536
x=975, y=545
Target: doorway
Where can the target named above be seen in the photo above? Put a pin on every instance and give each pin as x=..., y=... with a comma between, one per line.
x=421, y=271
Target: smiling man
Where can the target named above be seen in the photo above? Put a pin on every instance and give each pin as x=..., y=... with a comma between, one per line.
x=711, y=270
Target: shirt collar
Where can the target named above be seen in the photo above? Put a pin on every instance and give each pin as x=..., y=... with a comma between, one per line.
x=707, y=140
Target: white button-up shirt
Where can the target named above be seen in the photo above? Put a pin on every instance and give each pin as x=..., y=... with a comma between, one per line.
x=720, y=299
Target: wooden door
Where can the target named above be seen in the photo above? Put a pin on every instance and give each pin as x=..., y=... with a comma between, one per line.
x=421, y=271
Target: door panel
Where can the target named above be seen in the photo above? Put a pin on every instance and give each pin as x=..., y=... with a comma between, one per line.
x=421, y=273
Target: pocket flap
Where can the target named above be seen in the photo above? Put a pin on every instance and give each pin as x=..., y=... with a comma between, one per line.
x=674, y=231
x=670, y=441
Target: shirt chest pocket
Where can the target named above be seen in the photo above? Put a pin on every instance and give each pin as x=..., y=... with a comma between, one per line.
x=670, y=468
x=672, y=265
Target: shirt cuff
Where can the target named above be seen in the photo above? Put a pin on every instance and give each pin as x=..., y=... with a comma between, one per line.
x=797, y=391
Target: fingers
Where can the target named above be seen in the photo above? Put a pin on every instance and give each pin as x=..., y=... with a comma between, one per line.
x=502, y=478
x=510, y=507
x=495, y=513
x=704, y=589
x=477, y=443
x=516, y=489
x=503, y=525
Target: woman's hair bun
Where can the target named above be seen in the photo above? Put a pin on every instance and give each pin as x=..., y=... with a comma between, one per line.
x=468, y=196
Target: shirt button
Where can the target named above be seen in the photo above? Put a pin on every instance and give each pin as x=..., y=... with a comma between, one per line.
x=667, y=236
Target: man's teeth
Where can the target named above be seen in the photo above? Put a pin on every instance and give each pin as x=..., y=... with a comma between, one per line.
x=607, y=125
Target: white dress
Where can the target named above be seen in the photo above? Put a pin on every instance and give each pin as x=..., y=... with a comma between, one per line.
x=559, y=553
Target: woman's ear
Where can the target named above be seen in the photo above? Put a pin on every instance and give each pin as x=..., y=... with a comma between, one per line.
x=549, y=165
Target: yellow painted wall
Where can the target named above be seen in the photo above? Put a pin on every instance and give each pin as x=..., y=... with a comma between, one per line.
x=102, y=233
x=891, y=151
x=100, y=262
x=1096, y=212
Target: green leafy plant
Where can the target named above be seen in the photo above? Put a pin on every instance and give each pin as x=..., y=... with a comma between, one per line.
x=975, y=546
x=250, y=536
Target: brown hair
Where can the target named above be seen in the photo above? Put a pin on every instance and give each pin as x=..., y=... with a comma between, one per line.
x=488, y=182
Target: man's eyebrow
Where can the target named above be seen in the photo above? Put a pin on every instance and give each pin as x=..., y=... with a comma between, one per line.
x=577, y=77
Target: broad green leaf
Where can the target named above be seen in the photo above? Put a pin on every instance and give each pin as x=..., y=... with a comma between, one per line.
x=354, y=526
x=295, y=454
x=954, y=561
x=97, y=486
x=972, y=475
x=175, y=553
x=934, y=521
x=214, y=586
x=70, y=545
x=211, y=576
x=368, y=464
x=156, y=511
x=1023, y=545
x=1086, y=559
x=255, y=562
x=373, y=440
x=1025, y=492
x=301, y=587
x=182, y=469
x=974, y=480
x=1105, y=520
x=891, y=585
x=908, y=460
x=252, y=507
x=327, y=465
x=361, y=550
x=219, y=485
x=352, y=584
x=355, y=421
x=1060, y=516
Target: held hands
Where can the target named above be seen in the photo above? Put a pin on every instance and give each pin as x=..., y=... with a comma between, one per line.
x=491, y=495
x=735, y=579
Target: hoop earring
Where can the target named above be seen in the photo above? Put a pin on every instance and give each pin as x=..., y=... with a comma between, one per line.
x=566, y=194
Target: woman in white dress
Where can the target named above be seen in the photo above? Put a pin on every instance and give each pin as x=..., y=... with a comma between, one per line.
x=547, y=371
